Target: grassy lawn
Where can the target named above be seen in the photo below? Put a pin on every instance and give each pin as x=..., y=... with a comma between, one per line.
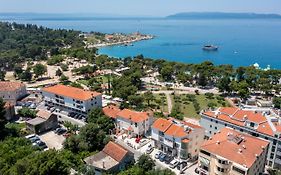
x=187, y=106
x=159, y=103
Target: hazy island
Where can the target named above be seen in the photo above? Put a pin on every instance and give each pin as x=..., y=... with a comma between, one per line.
x=220, y=15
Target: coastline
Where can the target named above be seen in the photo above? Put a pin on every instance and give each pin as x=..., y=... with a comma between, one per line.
x=126, y=42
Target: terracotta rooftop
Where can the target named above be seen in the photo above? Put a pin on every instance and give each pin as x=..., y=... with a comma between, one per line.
x=172, y=127
x=236, y=147
x=72, y=92
x=115, y=151
x=10, y=86
x=111, y=111
x=44, y=114
x=238, y=117
x=133, y=116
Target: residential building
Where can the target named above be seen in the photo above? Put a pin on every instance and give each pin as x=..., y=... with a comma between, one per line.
x=43, y=122
x=230, y=152
x=12, y=91
x=264, y=125
x=72, y=99
x=111, y=159
x=133, y=123
x=177, y=138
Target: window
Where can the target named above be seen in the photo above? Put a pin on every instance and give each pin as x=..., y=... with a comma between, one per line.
x=210, y=132
x=216, y=121
x=238, y=170
x=252, y=124
x=224, y=162
x=216, y=128
x=220, y=169
x=205, y=152
x=211, y=126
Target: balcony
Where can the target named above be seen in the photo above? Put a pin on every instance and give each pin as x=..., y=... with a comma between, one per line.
x=222, y=163
x=219, y=172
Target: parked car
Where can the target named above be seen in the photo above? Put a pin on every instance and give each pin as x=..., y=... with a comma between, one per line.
x=60, y=131
x=182, y=166
x=168, y=159
x=30, y=136
x=149, y=150
x=34, y=139
x=162, y=157
x=158, y=154
x=173, y=164
x=41, y=144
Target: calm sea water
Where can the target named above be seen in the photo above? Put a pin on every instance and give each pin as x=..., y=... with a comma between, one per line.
x=241, y=42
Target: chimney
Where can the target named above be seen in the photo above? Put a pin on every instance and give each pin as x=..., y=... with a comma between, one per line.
x=244, y=146
x=240, y=151
x=218, y=142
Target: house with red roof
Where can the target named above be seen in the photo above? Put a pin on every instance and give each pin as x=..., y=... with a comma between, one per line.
x=259, y=124
x=232, y=152
x=12, y=91
x=177, y=138
x=111, y=159
x=71, y=99
x=134, y=123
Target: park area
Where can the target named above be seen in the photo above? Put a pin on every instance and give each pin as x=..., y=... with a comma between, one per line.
x=190, y=105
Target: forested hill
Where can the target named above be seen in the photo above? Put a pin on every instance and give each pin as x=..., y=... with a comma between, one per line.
x=220, y=15
x=19, y=42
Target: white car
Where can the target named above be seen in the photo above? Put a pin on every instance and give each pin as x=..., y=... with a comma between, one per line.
x=173, y=164
x=30, y=136
x=149, y=150
x=158, y=154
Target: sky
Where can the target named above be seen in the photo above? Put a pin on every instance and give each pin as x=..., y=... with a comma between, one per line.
x=139, y=7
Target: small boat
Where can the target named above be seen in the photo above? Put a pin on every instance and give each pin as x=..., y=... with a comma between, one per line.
x=210, y=48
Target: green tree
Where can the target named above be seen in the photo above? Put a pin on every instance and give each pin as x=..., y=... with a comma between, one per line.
x=145, y=162
x=58, y=72
x=26, y=75
x=97, y=116
x=3, y=119
x=27, y=113
x=39, y=70
x=224, y=85
x=64, y=78
x=277, y=102
x=148, y=97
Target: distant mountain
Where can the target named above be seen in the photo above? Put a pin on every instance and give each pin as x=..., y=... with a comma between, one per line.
x=221, y=15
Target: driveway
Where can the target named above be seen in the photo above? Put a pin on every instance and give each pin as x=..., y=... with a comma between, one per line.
x=52, y=140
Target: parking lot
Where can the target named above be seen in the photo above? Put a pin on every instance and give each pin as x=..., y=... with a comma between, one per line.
x=52, y=140
x=139, y=150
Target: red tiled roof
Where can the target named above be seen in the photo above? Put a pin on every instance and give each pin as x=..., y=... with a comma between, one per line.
x=111, y=111
x=170, y=128
x=162, y=124
x=10, y=86
x=238, y=117
x=243, y=153
x=72, y=92
x=133, y=116
x=114, y=150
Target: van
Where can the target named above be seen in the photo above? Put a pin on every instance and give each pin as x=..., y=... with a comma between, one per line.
x=173, y=164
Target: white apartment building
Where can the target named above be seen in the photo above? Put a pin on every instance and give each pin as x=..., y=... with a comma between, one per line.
x=135, y=123
x=230, y=152
x=257, y=124
x=12, y=91
x=177, y=138
x=72, y=99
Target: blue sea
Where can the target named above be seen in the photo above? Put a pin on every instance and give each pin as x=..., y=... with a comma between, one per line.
x=242, y=42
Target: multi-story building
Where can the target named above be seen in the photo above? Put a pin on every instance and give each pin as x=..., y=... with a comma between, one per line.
x=72, y=99
x=265, y=126
x=177, y=138
x=230, y=152
x=12, y=91
x=136, y=123
x=133, y=123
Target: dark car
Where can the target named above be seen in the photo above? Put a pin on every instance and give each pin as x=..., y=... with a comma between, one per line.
x=162, y=157
x=60, y=131
x=182, y=166
x=168, y=159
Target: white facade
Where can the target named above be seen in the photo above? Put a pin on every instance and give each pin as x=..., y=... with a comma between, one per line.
x=182, y=146
x=71, y=104
x=213, y=125
x=13, y=94
x=137, y=128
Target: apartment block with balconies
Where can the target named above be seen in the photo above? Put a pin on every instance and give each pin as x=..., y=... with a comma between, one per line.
x=72, y=99
x=177, y=138
x=261, y=125
x=230, y=152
